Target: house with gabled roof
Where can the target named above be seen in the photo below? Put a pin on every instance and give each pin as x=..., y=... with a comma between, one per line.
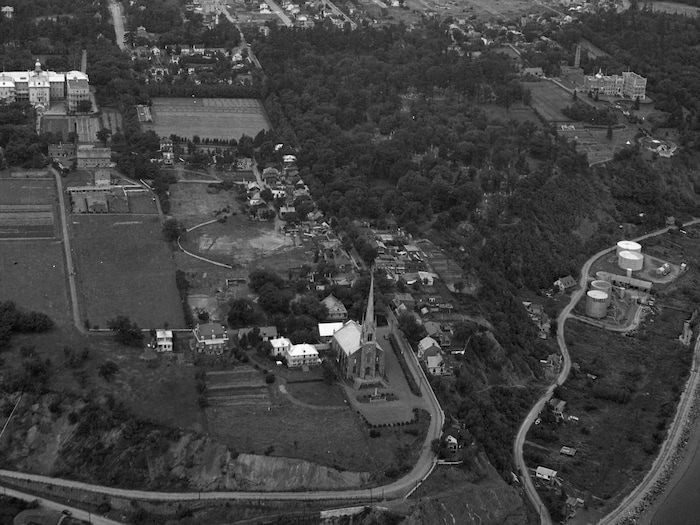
x=336, y=308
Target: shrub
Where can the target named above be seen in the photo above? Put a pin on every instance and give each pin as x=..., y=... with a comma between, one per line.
x=374, y=433
x=270, y=378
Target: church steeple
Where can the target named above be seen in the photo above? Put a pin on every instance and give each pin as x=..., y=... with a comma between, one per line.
x=369, y=324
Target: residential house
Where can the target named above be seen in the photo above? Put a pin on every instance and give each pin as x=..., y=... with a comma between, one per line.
x=558, y=406
x=287, y=212
x=164, y=341
x=546, y=474
x=336, y=309
x=451, y=443
x=302, y=355
x=405, y=299
x=564, y=283
x=436, y=331
x=428, y=347
x=211, y=338
x=280, y=346
x=436, y=364
x=266, y=333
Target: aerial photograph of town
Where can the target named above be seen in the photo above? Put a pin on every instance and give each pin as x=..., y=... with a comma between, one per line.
x=349, y=262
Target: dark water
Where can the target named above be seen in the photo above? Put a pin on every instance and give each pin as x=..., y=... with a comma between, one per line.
x=682, y=505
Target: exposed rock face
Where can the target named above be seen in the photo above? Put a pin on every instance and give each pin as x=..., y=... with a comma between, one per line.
x=207, y=465
x=37, y=442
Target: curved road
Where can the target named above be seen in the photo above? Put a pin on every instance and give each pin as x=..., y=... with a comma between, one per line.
x=398, y=489
x=525, y=478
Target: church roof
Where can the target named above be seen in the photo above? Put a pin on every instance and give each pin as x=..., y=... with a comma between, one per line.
x=348, y=337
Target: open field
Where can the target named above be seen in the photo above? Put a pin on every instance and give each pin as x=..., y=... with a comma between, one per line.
x=222, y=118
x=33, y=275
x=332, y=437
x=125, y=268
x=548, y=99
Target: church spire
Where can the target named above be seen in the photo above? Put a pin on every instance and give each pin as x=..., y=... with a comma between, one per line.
x=369, y=323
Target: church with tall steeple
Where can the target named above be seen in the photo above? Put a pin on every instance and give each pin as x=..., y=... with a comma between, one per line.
x=359, y=355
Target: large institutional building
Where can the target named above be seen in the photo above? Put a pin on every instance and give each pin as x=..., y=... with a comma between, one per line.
x=40, y=87
x=359, y=355
x=629, y=84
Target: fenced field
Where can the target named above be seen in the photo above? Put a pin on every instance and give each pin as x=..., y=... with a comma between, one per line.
x=125, y=268
x=221, y=118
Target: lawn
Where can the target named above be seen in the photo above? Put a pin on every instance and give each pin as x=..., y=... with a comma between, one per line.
x=548, y=99
x=33, y=275
x=329, y=435
x=221, y=118
x=623, y=412
x=124, y=267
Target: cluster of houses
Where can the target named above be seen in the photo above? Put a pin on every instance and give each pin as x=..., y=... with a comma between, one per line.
x=195, y=61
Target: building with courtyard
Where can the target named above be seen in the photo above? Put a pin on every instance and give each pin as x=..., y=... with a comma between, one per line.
x=360, y=358
x=41, y=88
x=629, y=84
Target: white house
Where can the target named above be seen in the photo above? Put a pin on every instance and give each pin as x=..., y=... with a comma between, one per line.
x=428, y=346
x=280, y=346
x=302, y=355
x=545, y=474
x=436, y=365
x=164, y=340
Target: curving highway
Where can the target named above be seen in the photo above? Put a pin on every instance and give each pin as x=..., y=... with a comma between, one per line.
x=525, y=478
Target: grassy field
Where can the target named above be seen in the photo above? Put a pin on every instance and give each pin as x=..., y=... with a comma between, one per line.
x=623, y=412
x=125, y=268
x=222, y=118
x=329, y=435
x=33, y=274
x=548, y=99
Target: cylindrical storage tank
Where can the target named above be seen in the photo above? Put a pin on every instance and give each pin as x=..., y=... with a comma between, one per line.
x=630, y=261
x=596, y=304
x=603, y=286
x=628, y=246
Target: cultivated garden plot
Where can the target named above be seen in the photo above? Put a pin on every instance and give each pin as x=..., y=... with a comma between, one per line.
x=124, y=267
x=213, y=118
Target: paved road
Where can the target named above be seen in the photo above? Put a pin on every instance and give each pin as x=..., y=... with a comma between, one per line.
x=70, y=268
x=399, y=489
x=52, y=505
x=280, y=13
x=118, y=20
x=525, y=478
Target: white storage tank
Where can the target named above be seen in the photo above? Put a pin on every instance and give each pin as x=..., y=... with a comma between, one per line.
x=628, y=246
x=603, y=286
x=597, y=304
x=632, y=261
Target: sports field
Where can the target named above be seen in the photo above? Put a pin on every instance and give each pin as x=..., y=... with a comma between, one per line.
x=222, y=118
x=125, y=268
